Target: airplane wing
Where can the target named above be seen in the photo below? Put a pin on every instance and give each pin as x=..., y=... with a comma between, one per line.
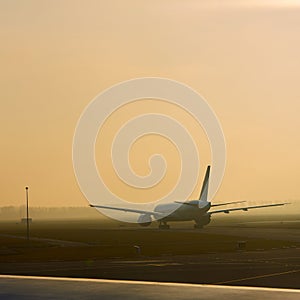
x=152, y=213
x=220, y=204
x=227, y=211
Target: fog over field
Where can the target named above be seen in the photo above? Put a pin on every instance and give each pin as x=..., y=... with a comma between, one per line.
x=16, y=213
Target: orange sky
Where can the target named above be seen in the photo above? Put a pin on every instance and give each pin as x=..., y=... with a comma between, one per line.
x=56, y=56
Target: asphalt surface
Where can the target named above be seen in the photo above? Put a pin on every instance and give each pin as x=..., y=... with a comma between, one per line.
x=273, y=268
x=276, y=268
x=14, y=287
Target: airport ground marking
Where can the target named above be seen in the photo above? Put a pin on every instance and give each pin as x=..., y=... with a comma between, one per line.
x=259, y=276
x=133, y=282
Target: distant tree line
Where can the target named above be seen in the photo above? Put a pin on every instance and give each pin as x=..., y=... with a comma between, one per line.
x=19, y=212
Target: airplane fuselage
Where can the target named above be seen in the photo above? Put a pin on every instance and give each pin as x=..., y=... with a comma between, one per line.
x=189, y=211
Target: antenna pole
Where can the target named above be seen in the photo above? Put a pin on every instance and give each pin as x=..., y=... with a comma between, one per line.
x=27, y=212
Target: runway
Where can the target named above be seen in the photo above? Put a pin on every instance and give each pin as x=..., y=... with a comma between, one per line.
x=30, y=287
x=274, y=268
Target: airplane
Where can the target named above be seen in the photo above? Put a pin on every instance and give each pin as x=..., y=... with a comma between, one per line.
x=192, y=210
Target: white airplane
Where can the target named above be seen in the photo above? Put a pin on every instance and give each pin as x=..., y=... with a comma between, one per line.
x=192, y=210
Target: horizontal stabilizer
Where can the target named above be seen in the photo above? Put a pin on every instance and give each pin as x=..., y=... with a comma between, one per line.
x=187, y=203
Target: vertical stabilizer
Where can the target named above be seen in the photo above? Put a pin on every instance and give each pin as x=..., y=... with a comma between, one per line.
x=204, y=190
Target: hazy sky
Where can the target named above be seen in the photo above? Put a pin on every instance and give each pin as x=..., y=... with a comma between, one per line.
x=242, y=56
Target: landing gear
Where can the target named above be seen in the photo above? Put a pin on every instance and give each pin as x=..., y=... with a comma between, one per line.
x=202, y=221
x=198, y=226
x=163, y=225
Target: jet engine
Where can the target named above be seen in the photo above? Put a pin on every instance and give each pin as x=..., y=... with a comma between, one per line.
x=203, y=220
x=144, y=220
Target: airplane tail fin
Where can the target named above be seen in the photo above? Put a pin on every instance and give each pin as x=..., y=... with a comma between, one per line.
x=204, y=190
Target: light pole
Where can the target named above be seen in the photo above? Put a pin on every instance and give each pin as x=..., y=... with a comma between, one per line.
x=27, y=212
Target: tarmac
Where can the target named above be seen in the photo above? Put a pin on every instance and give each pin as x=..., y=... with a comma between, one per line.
x=22, y=287
x=273, y=268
